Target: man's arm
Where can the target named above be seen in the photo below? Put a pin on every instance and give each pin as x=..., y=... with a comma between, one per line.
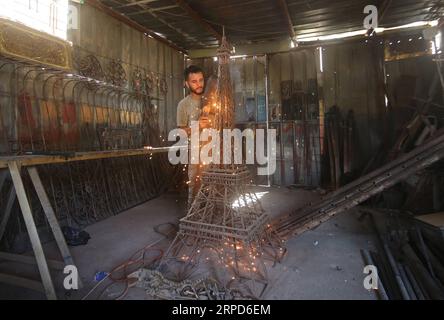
x=187, y=130
x=182, y=119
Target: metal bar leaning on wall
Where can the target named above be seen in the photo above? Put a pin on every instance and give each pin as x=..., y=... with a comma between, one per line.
x=363, y=188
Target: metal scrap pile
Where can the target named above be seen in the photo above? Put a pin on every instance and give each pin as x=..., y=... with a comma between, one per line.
x=160, y=287
x=409, y=257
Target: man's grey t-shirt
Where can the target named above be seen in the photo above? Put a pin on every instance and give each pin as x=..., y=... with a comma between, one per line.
x=188, y=110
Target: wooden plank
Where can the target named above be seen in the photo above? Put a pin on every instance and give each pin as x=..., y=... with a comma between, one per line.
x=50, y=215
x=32, y=160
x=32, y=231
x=8, y=210
x=21, y=282
x=54, y=264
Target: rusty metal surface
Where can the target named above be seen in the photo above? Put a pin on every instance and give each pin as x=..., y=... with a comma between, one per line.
x=63, y=111
x=21, y=42
x=89, y=66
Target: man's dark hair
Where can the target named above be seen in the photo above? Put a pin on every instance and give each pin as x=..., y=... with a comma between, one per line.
x=192, y=69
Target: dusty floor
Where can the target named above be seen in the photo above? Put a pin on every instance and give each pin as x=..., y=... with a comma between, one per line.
x=324, y=263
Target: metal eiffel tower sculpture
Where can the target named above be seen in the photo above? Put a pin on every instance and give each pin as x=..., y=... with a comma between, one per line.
x=225, y=217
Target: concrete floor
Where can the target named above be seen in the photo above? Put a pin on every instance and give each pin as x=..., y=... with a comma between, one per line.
x=324, y=263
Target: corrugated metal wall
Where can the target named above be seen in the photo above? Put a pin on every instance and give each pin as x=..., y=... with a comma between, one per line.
x=294, y=112
x=353, y=80
x=299, y=94
x=408, y=83
x=133, y=48
x=42, y=111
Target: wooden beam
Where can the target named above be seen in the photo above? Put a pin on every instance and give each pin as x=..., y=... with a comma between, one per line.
x=51, y=217
x=32, y=231
x=98, y=5
x=284, y=8
x=33, y=160
x=196, y=17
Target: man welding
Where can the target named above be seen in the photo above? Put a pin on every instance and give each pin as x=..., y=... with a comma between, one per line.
x=190, y=109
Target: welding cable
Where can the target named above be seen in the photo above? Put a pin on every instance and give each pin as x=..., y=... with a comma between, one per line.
x=125, y=279
x=132, y=261
x=123, y=265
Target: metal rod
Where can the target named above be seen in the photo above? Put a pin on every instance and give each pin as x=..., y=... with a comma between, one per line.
x=406, y=281
x=369, y=261
x=394, y=266
x=424, y=277
x=414, y=283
